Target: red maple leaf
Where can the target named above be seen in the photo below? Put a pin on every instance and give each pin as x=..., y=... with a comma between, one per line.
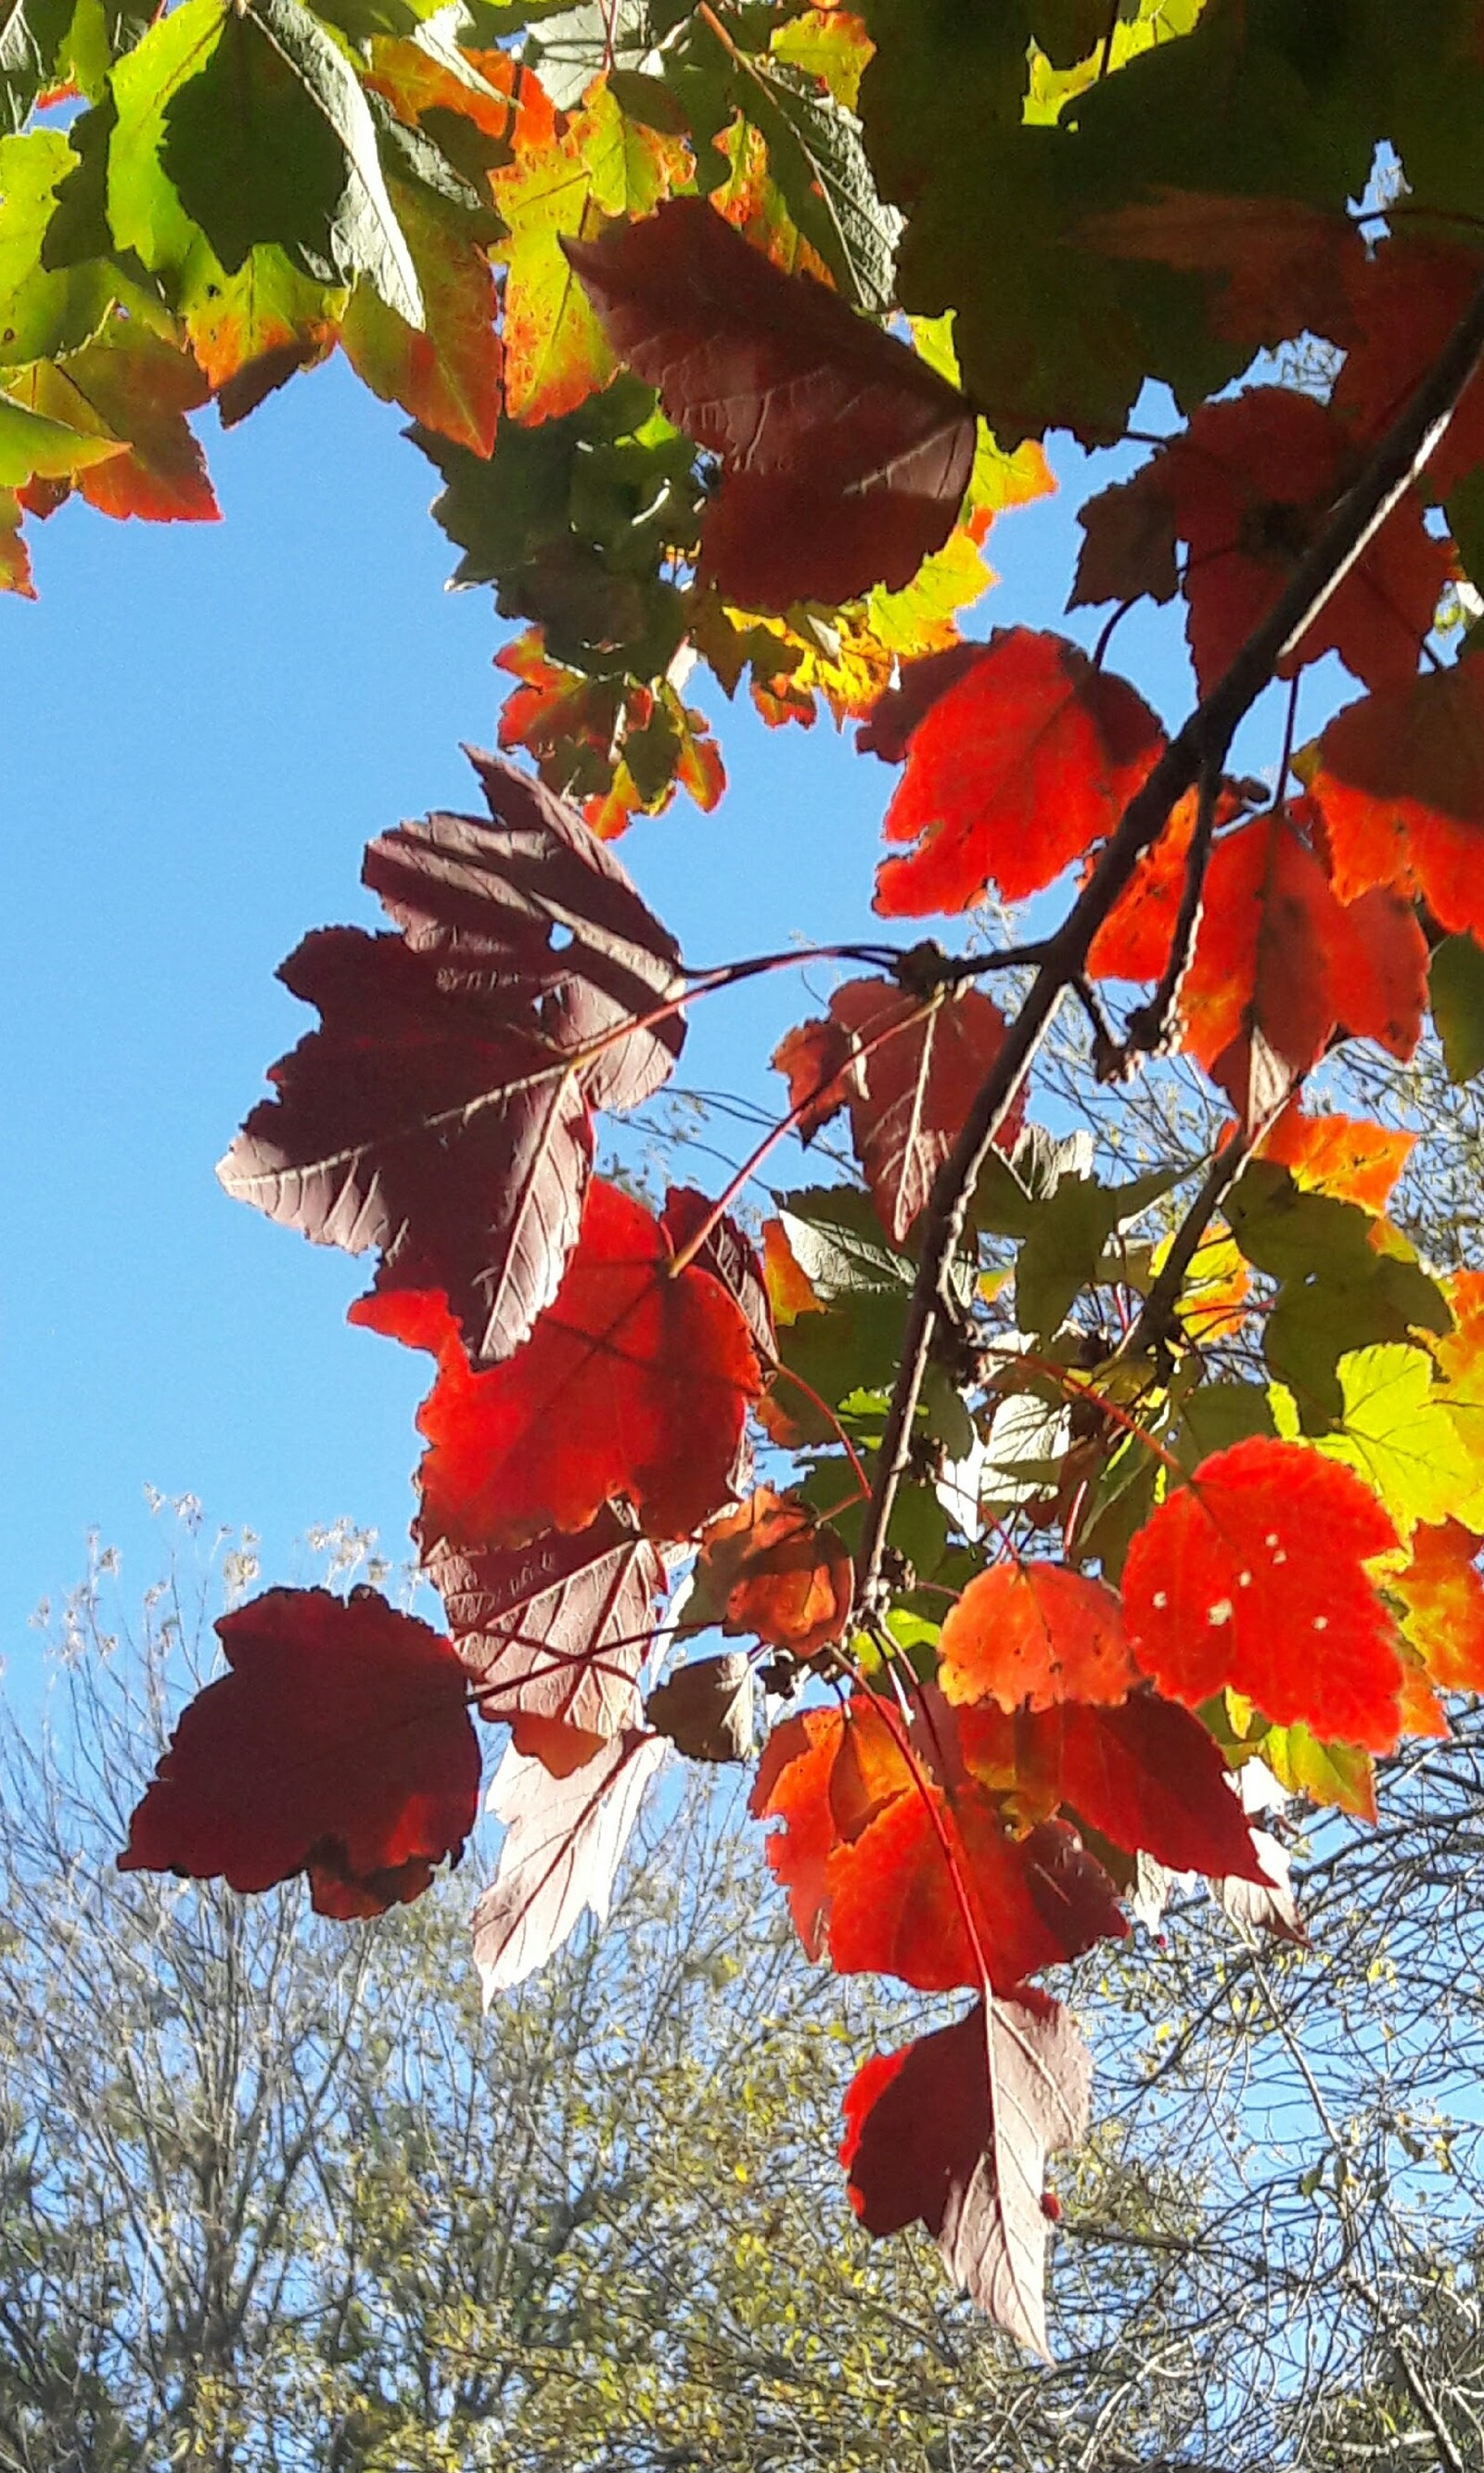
x=1253, y=1576
x=1149, y=1777
x=771, y=1568
x=1250, y=485
x=564, y=1837
x=844, y=456
x=442, y=1111
x=1034, y=1634
x=340, y=1745
x=1282, y=268
x=954, y=2133
x=1443, y=1597
x=557, y=1630
x=1280, y=964
x=1022, y=764
x=1399, y=783
x=905, y=1867
x=634, y=1385
x=909, y=1071
x=1406, y=297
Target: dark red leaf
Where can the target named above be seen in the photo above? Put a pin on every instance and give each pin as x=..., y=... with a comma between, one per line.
x=442, y=1114
x=729, y=1257
x=1400, y=784
x=1407, y=295
x=634, y=1385
x=340, y=1745
x=1251, y=482
x=909, y=1069
x=954, y=2133
x=844, y=457
x=1148, y=1776
x=1018, y=769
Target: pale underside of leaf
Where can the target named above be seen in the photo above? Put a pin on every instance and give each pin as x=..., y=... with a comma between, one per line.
x=560, y=1631
x=995, y=2231
x=564, y=1840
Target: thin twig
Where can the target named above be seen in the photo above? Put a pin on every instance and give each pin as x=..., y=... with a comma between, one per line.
x=1151, y=1027
x=1201, y=743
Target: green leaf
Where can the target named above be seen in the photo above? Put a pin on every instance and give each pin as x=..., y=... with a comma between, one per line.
x=144, y=209
x=837, y=1242
x=1218, y=1415
x=575, y=522
x=1064, y=1251
x=1455, y=983
x=32, y=34
x=1009, y=1193
x=649, y=100
x=32, y=445
x=816, y=156
x=1338, y=1291
x=272, y=140
x=1397, y=1436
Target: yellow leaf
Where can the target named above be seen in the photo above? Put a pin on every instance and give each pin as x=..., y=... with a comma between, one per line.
x=832, y=44
x=602, y=163
x=1397, y=1435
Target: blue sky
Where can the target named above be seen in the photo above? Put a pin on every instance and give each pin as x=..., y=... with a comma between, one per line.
x=203, y=724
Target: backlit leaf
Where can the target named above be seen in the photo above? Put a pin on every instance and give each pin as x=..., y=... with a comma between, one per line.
x=954, y=2133
x=909, y=1071
x=1442, y=1595
x=1397, y=1435
x=1253, y=1576
x=132, y=386
x=469, y=1038
x=559, y=1630
x=1148, y=1775
x=1455, y=984
x=634, y=1384
x=1250, y=485
x=1399, y=783
x=1019, y=767
x=564, y=1838
x=339, y=1745
x=270, y=138
x=556, y=352
x=447, y=373
x=845, y=458
x=770, y=1568
x=1038, y=1634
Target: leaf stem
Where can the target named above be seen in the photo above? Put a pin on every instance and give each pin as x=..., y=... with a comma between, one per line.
x=1200, y=744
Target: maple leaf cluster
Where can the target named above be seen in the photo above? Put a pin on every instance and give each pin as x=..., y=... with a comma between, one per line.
x=1062, y=1507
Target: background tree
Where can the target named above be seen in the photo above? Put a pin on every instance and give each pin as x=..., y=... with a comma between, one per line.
x=730, y=332
x=301, y=2204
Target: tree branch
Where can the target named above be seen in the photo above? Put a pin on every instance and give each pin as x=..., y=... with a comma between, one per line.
x=1200, y=744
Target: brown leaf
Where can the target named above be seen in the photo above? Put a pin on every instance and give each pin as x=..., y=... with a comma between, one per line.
x=705, y=1710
